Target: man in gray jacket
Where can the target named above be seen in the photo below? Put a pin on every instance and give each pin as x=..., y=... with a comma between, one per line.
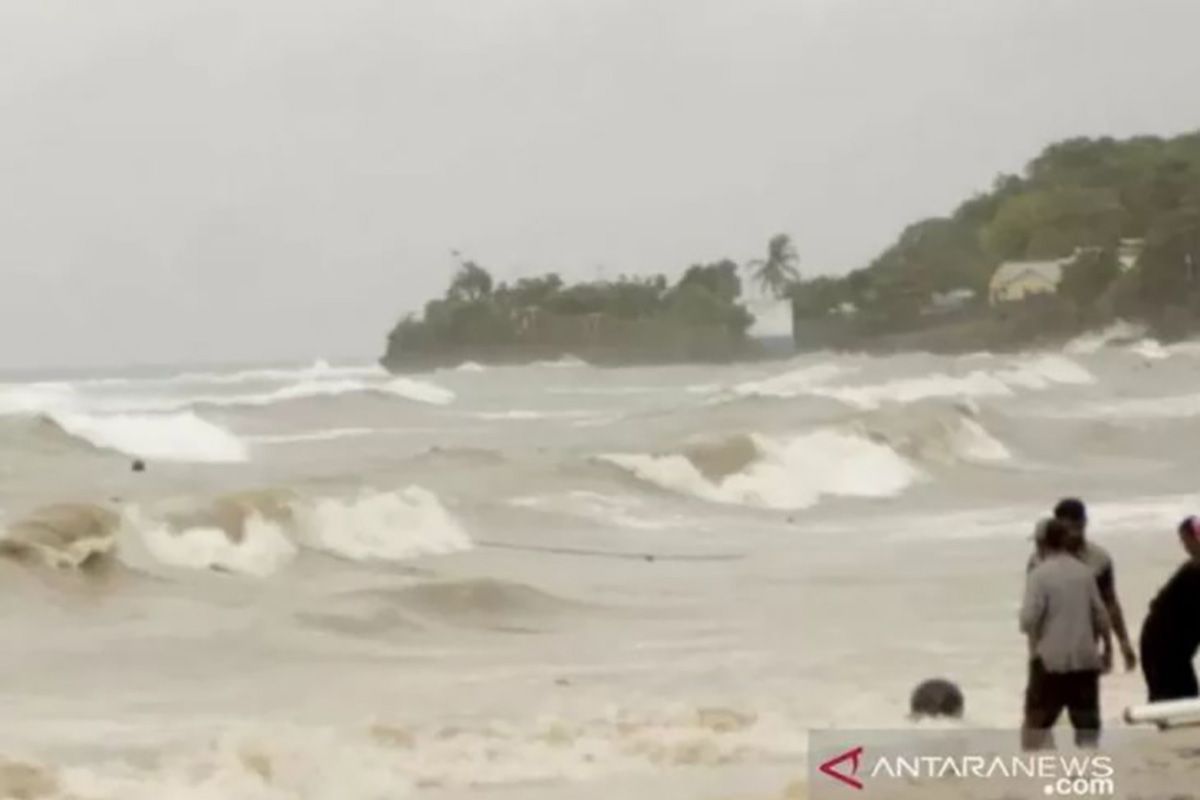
x=1064, y=618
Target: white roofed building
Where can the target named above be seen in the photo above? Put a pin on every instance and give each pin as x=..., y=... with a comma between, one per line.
x=1018, y=280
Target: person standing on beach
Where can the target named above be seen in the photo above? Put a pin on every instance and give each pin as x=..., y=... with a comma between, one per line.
x=1072, y=512
x=1064, y=617
x=1171, y=633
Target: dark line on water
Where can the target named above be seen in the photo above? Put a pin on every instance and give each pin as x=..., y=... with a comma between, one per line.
x=579, y=551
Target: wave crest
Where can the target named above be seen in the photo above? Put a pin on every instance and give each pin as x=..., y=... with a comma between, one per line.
x=161, y=437
x=786, y=474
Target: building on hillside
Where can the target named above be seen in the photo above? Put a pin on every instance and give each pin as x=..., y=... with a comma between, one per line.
x=1017, y=280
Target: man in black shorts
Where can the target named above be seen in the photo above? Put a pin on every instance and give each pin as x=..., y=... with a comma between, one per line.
x=1064, y=618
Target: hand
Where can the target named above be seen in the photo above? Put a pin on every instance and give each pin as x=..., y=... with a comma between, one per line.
x=1106, y=661
x=1130, y=658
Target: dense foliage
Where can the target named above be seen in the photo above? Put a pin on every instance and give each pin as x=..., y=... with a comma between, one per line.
x=1080, y=196
x=475, y=312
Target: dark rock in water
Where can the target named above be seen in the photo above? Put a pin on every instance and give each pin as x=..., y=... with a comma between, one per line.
x=937, y=697
x=139, y=466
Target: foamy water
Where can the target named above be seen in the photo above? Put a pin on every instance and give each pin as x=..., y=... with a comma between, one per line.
x=545, y=581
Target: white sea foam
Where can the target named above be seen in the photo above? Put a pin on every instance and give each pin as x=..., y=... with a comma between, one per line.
x=260, y=550
x=34, y=398
x=318, y=370
x=407, y=388
x=389, y=526
x=972, y=442
x=789, y=474
x=1095, y=341
x=793, y=383
x=259, y=536
x=566, y=362
x=421, y=391
x=1150, y=349
x=57, y=398
x=1035, y=374
x=161, y=437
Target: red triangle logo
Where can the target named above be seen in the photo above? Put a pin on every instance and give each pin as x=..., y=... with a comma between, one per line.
x=830, y=767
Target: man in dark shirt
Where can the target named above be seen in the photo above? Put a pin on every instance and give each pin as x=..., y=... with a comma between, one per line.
x=1171, y=633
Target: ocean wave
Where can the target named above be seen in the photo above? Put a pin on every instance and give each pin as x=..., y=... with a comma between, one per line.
x=1035, y=374
x=65, y=536
x=793, y=383
x=389, y=526
x=160, y=437
x=406, y=388
x=250, y=533
x=762, y=472
x=1119, y=332
x=319, y=369
x=819, y=380
x=34, y=398
x=256, y=545
x=937, y=436
x=1150, y=349
x=566, y=362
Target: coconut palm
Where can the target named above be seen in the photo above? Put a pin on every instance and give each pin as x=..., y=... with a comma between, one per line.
x=777, y=272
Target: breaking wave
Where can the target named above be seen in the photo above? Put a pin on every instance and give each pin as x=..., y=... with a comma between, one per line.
x=317, y=370
x=406, y=388
x=877, y=456
x=162, y=437
x=1034, y=374
x=1119, y=332
x=794, y=383
x=390, y=526
x=1150, y=349
x=770, y=473
x=58, y=398
x=253, y=533
x=942, y=436
x=1037, y=374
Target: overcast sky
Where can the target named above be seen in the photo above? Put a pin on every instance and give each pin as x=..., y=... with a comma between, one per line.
x=189, y=181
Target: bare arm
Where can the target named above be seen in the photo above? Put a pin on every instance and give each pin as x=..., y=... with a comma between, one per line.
x=1107, y=586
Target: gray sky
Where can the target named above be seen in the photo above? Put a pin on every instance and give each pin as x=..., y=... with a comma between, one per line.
x=234, y=180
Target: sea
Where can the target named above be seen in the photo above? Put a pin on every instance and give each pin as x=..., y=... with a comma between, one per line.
x=548, y=581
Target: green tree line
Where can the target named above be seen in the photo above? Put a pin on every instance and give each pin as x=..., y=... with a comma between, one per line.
x=1081, y=196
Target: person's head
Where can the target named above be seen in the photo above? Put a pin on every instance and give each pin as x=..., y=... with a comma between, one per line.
x=1073, y=512
x=1055, y=537
x=1189, y=535
x=937, y=697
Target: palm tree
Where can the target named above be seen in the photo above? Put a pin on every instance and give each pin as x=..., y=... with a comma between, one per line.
x=777, y=272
